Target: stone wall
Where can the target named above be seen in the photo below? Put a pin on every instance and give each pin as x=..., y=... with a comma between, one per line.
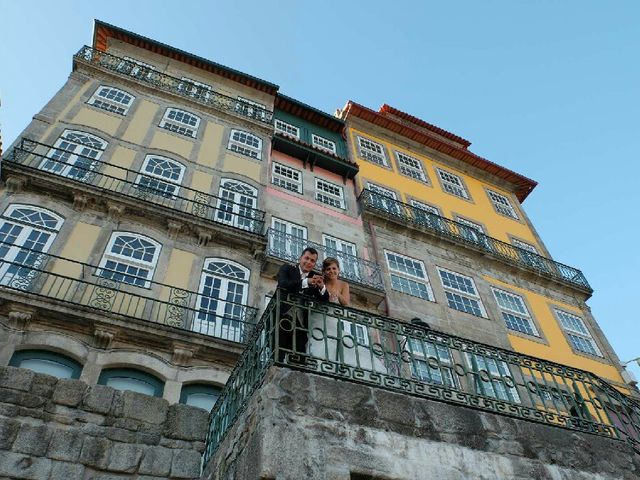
x=64, y=429
x=306, y=426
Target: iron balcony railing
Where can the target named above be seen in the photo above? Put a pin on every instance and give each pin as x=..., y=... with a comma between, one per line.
x=184, y=88
x=75, y=283
x=441, y=226
x=379, y=351
x=107, y=177
x=352, y=268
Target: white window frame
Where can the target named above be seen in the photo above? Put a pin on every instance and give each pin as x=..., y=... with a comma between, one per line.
x=286, y=177
x=426, y=219
x=453, y=185
x=368, y=150
x=244, y=144
x=179, y=126
x=234, y=203
x=422, y=351
x=524, y=246
x=286, y=128
x=473, y=231
x=323, y=143
x=416, y=172
x=228, y=312
x=502, y=204
x=72, y=158
x=195, y=89
x=171, y=186
x=461, y=294
x=151, y=73
x=345, y=252
x=529, y=254
x=328, y=197
x=128, y=261
x=114, y=100
x=497, y=371
x=406, y=282
x=577, y=333
x=514, y=310
x=287, y=242
x=378, y=198
x=251, y=108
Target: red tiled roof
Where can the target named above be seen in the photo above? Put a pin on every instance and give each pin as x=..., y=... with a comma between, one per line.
x=523, y=185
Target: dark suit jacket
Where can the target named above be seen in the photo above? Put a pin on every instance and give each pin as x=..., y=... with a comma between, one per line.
x=290, y=281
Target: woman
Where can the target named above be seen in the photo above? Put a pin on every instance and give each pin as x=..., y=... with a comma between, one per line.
x=338, y=289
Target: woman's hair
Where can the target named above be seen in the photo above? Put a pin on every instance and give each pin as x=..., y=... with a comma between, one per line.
x=329, y=261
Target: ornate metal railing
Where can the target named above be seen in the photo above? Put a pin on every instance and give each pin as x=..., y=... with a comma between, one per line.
x=80, y=284
x=365, y=348
x=352, y=268
x=48, y=160
x=441, y=226
x=167, y=83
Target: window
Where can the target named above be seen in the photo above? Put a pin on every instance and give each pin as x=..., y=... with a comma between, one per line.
x=26, y=232
x=492, y=378
x=329, y=193
x=372, y=151
x=502, y=204
x=427, y=215
x=287, y=128
x=357, y=331
x=411, y=167
x=160, y=176
x=236, y=204
x=200, y=395
x=74, y=155
x=431, y=362
x=514, y=312
x=252, y=109
x=286, y=177
x=195, y=89
x=323, y=143
x=346, y=254
x=525, y=246
x=245, y=143
x=136, y=68
x=287, y=240
x=530, y=256
x=579, y=337
x=472, y=232
x=132, y=380
x=408, y=276
x=461, y=293
x=112, y=100
x=49, y=363
x=452, y=184
x=221, y=301
x=383, y=199
x=181, y=122
x=130, y=258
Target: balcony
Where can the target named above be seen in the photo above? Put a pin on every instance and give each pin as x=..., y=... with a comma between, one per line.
x=176, y=86
x=408, y=215
x=45, y=165
x=32, y=274
x=363, y=276
x=362, y=349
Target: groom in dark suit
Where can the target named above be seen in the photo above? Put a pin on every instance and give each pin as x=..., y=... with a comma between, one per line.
x=301, y=279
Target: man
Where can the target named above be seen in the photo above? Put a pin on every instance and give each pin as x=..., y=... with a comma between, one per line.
x=301, y=279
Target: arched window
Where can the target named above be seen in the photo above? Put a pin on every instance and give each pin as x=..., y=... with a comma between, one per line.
x=132, y=380
x=245, y=143
x=237, y=203
x=26, y=231
x=200, y=395
x=50, y=363
x=112, y=100
x=74, y=155
x=221, y=301
x=181, y=122
x=160, y=176
x=130, y=258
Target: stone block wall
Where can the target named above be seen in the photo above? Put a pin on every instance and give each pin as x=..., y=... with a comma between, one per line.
x=64, y=429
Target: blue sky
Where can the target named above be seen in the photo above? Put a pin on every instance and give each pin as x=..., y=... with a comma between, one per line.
x=550, y=89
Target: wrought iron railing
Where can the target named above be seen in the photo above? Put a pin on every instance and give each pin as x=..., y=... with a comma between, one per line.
x=358, y=346
x=48, y=160
x=162, y=81
x=352, y=268
x=71, y=282
x=441, y=226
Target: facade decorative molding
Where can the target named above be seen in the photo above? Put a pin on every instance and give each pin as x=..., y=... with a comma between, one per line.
x=20, y=319
x=174, y=228
x=15, y=184
x=80, y=201
x=182, y=354
x=115, y=211
x=103, y=337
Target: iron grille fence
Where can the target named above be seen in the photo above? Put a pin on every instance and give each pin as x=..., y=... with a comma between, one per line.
x=352, y=268
x=370, y=349
x=104, y=290
x=443, y=227
x=109, y=177
x=196, y=92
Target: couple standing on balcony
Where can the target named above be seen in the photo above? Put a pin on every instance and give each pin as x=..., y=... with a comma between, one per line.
x=294, y=321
